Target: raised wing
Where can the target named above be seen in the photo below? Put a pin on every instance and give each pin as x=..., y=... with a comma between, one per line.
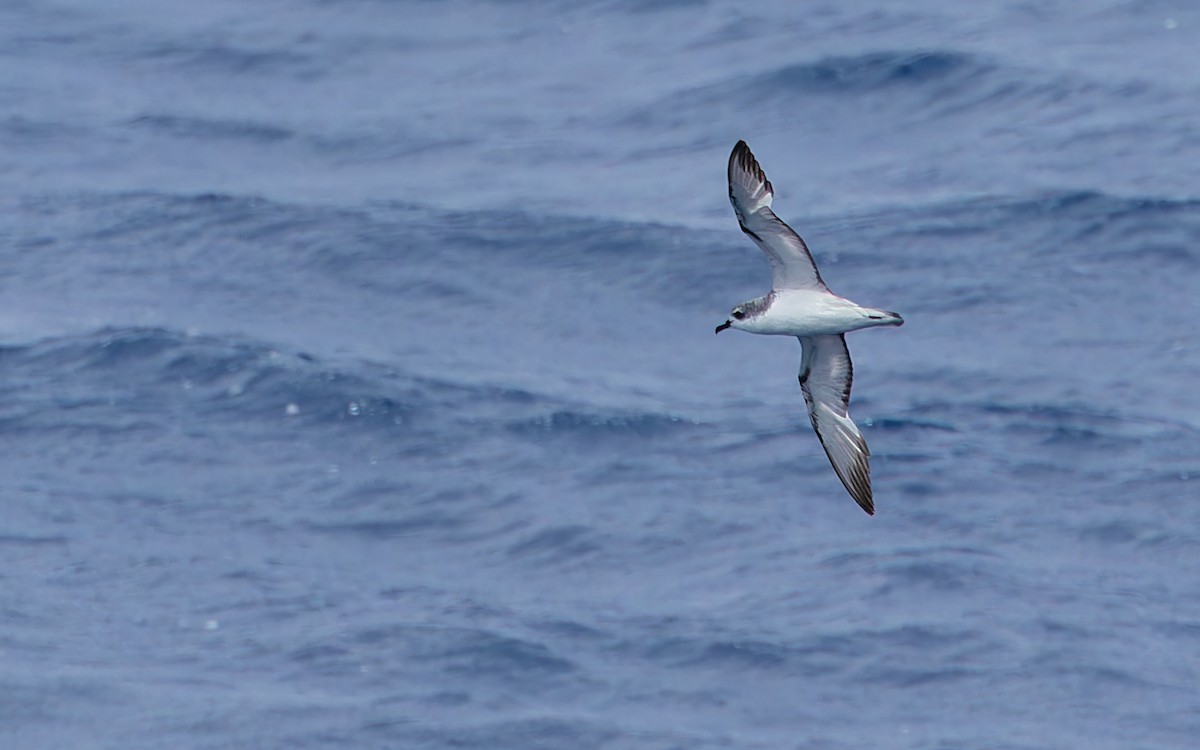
x=826, y=375
x=750, y=192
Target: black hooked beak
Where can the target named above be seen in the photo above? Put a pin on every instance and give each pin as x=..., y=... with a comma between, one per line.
x=723, y=326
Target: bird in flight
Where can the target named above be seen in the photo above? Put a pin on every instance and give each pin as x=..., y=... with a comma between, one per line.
x=801, y=305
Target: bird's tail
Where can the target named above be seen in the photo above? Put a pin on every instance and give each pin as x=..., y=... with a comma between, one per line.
x=884, y=318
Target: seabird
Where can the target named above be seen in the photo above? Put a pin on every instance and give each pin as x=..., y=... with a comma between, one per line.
x=801, y=305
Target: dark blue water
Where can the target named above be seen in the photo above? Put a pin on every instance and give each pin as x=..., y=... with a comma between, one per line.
x=358, y=385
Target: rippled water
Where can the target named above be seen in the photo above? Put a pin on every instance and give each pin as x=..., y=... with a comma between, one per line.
x=358, y=385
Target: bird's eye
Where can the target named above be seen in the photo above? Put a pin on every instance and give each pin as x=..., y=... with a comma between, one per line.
x=738, y=314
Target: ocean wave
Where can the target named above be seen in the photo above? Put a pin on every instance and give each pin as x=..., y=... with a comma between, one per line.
x=218, y=57
x=480, y=652
x=1048, y=424
x=1071, y=245
x=226, y=242
x=541, y=733
x=777, y=94
x=558, y=424
x=205, y=128
x=873, y=70
x=1069, y=209
x=128, y=379
x=557, y=544
x=391, y=528
x=814, y=654
x=915, y=86
x=136, y=376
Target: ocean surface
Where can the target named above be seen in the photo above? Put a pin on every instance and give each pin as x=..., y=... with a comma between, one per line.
x=358, y=384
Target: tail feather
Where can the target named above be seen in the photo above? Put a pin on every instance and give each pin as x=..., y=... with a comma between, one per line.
x=886, y=317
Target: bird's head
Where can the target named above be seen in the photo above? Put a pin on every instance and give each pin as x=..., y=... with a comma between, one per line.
x=736, y=316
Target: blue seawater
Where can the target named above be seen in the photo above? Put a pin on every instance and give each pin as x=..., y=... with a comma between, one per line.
x=358, y=385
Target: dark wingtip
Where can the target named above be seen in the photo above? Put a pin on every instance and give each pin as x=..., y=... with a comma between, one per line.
x=738, y=155
x=741, y=159
x=897, y=320
x=742, y=155
x=862, y=495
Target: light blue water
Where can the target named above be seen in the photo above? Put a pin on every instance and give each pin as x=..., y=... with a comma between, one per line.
x=358, y=385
